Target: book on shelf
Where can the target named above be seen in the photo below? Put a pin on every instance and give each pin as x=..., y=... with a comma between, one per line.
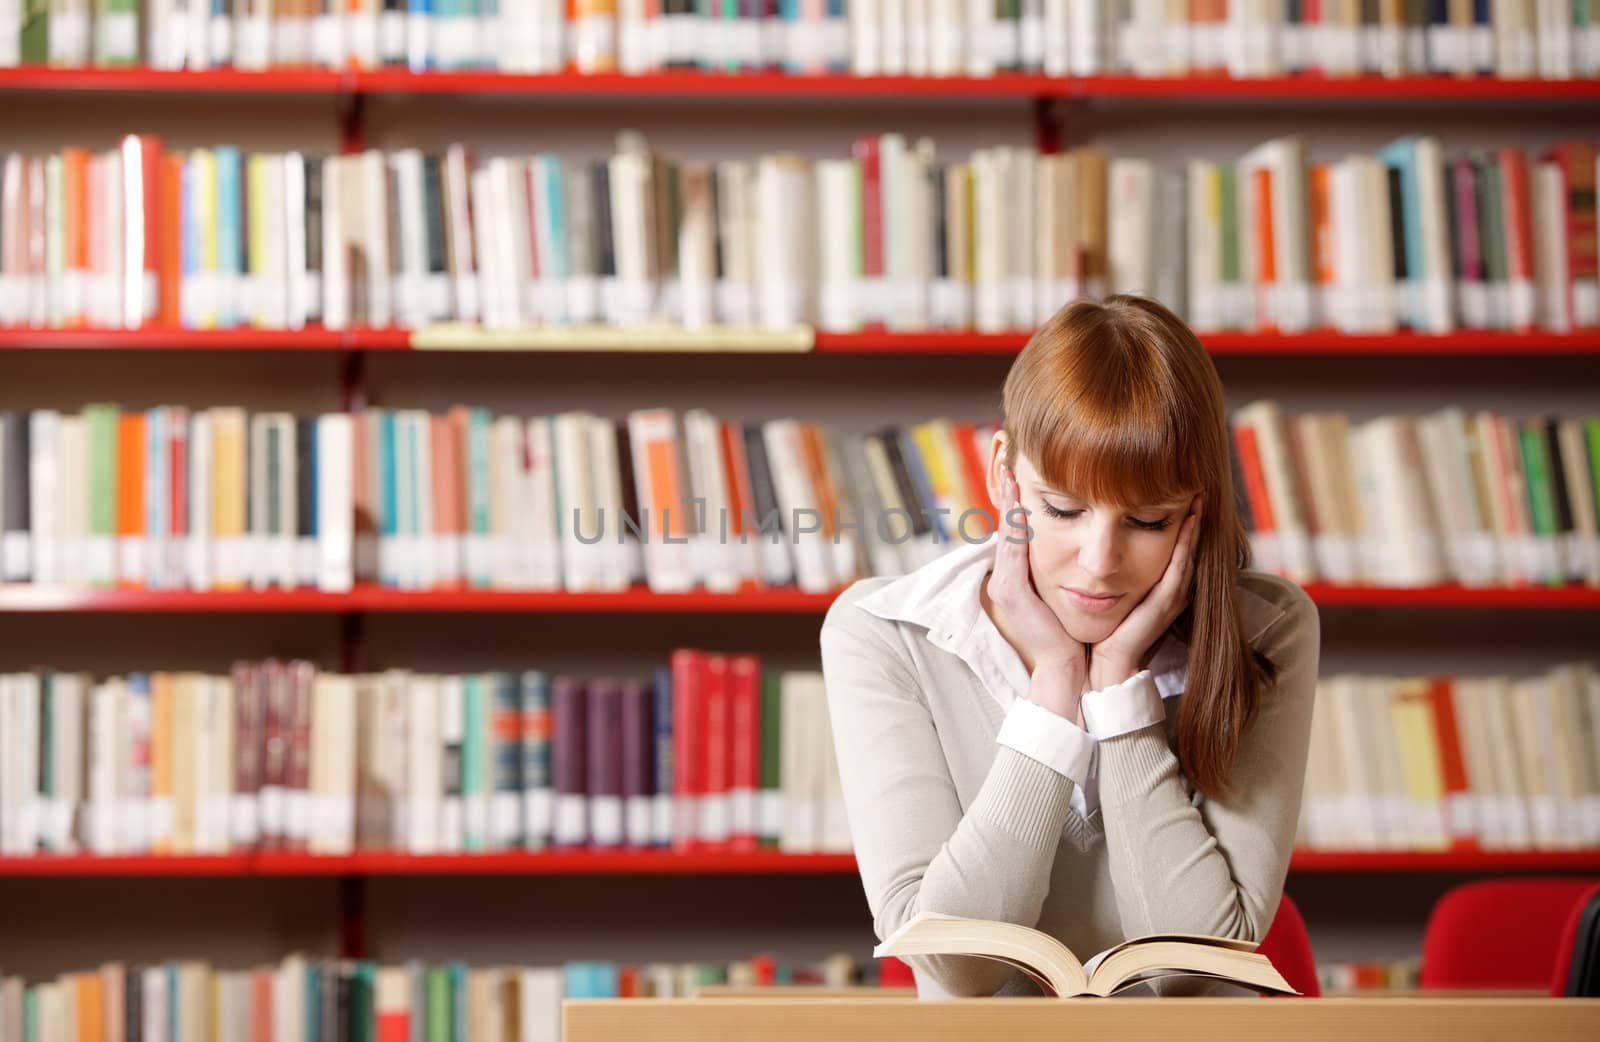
x=1434, y=763
x=1509, y=38
x=574, y=252
x=192, y=498
x=305, y=997
x=709, y=754
x=1062, y=974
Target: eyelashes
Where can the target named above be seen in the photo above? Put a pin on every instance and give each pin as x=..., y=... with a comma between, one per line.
x=1147, y=526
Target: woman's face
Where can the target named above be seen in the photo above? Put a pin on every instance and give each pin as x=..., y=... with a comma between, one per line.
x=1093, y=563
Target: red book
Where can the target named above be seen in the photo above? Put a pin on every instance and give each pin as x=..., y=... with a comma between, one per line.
x=260, y=1005
x=1255, y=482
x=973, y=468
x=1266, y=259
x=297, y=823
x=1519, y=229
x=1452, y=765
x=715, y=749
x=168, y=247
x=744, y=755
x=688, y=745
x=865, y=151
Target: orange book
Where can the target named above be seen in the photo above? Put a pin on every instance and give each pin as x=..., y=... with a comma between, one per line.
x=1452, y=764
x=1322, y=237
x=1266, y=260
x=666, y=490
x=741, y=499
x=74, y=230
x=261, y=1006
x=169, y=247
x=446, y=471
x=816, y=465
x=972, y=467
x=1255, y=482
x=89, y=997
x=130, y=493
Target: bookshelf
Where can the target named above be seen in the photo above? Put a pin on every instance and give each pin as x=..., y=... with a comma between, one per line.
x=641, y=600
x=745, y=85
x=581, y=862
x=385, y=107
x=870, y=342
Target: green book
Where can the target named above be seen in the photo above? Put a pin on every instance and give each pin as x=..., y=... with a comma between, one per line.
x=438, y=1023
x=35, y=33
x=100, y=432
x=474, y=800
x=1541, y=496
x=1591, y=431
x=116, y=33
x=1229, y=186
x=478, y=564
x=769, y=809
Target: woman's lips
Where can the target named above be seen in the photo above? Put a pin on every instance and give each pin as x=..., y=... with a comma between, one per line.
x=1090, y=603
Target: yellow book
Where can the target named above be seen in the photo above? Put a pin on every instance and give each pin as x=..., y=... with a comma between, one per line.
x=251, y=284
x=161, y=762
x=228, y=470
x=203, y=282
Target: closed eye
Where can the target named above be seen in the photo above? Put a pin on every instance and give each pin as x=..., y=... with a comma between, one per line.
x=1147, y=526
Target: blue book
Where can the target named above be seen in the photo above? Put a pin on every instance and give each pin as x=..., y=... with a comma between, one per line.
x=661, y=713
x=479, y=568
x=156, y=495
x=230, y=235
x=388, y=499
x=919, y=480
x=538, y=789
x=474, y=799
x=1401, y=155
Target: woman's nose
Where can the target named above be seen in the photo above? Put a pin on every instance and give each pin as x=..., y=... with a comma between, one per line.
x=1101, y=554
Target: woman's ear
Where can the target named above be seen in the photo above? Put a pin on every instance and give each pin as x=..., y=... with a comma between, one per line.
x=996, y=470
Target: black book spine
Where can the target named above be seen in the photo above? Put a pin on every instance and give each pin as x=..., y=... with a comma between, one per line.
x=1397, y=229
x=605, y=247
x=314, y=215
x=305, y=476
x=133, y=1004
x=1558, y=476
x=629, y=481
x=761, y=488
x=433, y=208
x=941, y=248
x=889, y=438
x=14, y=426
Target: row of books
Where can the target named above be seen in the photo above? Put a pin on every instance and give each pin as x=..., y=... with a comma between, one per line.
x=1395, y=975
x=213, y=238
x=1477, y=497
x=1422, y=763
x=308, y=999
x=1512, y=38
x=709, y=752
x=170, y=498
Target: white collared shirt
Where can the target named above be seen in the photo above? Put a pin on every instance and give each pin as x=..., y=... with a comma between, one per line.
x=943, y=597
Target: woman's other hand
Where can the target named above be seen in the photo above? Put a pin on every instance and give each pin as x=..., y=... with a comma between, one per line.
x=1122, y=654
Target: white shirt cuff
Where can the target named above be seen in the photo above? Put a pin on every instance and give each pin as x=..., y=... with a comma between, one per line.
x=1049, y=738
x=1123, y=707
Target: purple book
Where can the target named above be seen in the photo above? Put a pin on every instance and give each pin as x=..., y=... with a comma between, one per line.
x=605, y=763
x=568, y=749
x=1471, y=278
x=638, y=734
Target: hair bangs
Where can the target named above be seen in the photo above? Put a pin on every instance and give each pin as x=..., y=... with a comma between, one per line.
x=1125, y=454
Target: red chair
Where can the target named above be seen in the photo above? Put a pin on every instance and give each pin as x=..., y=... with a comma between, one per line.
x=1498, y=933
x=1289, y=947
x=1569, y=942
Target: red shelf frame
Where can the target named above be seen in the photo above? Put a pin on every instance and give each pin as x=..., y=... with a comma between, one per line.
x=24, y=597
x=870, y=342
x=1467, y=342
x=622, y=862
x=777, y=84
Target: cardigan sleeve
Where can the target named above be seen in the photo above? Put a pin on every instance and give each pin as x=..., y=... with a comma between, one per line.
x=1216, y=868
x=915, y=846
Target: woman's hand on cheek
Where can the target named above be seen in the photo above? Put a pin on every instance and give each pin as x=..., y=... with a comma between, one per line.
x=1029, y=621
x=1117, y=658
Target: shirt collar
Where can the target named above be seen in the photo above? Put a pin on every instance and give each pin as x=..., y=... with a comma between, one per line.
x=942, y=597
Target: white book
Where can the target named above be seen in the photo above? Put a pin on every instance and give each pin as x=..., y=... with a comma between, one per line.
x=611, y=554
x=44, y=493
x=544, y=562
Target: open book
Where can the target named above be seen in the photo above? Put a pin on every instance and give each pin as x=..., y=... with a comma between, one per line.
x=1059, y=972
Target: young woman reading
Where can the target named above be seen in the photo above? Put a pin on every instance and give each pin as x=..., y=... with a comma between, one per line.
x=1094, y=722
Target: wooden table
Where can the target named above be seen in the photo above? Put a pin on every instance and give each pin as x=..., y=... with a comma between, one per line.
x=1052, y=1020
